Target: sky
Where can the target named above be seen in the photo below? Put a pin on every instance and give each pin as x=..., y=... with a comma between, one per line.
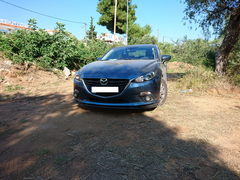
x=165, y=15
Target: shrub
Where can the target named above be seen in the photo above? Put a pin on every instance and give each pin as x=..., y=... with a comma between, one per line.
x=195, y=52
x=50, y=51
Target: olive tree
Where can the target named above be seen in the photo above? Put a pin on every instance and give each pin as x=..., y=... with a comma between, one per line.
x=214, y=13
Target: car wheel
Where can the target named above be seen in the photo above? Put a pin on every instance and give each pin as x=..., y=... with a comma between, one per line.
x=163, y=92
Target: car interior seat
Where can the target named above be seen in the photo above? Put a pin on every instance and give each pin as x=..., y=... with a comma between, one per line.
x=149, y=54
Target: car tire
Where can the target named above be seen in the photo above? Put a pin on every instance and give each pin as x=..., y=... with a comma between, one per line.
x=163, y=92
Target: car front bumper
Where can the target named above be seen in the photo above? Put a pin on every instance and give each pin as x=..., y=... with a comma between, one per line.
x=130, y=98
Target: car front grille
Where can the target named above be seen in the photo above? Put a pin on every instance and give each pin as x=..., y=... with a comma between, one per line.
x=120, y=83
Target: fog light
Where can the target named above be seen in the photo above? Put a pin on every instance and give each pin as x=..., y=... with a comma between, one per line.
x=75, y=95
x=147, y=98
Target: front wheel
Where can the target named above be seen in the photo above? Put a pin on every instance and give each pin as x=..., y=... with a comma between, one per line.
x=163, y=92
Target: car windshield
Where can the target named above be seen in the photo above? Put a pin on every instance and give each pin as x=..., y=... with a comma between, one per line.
x=130, y=53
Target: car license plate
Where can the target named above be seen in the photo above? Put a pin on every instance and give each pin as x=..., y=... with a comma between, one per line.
x=104, y=89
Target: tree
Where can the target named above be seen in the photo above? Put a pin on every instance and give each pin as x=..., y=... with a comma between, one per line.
x=222, y=32
x=146, y=39
x=213, y=13
x=92, y=33
x=32, y=24
x=60, y=28
x=107, y=9
x=136, y=31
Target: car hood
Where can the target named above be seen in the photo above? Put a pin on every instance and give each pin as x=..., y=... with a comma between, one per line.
x=119, y=67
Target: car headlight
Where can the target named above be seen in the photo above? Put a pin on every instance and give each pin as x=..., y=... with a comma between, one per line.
x=147, y=77
x=78, y=78
x=139, y=79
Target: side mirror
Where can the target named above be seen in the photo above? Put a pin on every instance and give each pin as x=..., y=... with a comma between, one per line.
x=99, y=58
x=165, y=58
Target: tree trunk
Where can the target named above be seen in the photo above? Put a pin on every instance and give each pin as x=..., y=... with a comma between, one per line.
x=230, y=39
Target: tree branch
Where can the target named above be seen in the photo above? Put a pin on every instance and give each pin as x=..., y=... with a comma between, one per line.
x=220, y=10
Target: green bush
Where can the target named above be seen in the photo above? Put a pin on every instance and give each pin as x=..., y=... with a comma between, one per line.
x=167, y=48
x=202, y=52
x=50, y=51
x=5, y=45
x=195, y=52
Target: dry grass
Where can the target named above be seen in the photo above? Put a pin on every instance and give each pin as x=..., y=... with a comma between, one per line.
x=16, y=83
x=197, y=78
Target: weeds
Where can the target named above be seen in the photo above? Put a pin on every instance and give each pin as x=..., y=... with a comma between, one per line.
x=21, y=73
x=170, y=70
x=199, y=78
x=60, y=160
x=8, y=131
x=43, y=152
x=10, y=88
x=18, y=88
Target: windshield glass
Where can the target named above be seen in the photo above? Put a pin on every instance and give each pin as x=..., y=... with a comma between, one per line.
x=130, y=53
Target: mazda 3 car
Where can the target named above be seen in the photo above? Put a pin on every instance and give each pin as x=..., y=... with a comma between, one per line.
x=129, y=77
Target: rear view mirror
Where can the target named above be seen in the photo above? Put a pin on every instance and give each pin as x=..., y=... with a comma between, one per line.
x=99, y=58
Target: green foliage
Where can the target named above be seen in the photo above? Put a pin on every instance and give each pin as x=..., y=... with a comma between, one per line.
x=195, y=52
x=60, y=160
x=234, y=64
x=50, y=51
x=202, y=52
x=136, y=31
x=146, y=39
x=88, y=54
x=107, y=9
x=166, y=48
x=32, y=24
x=43, y=152
x=224, y=18
x=10, y=88
x=5, y=45
x=209, y=13
x=92, y=33
x=223, y=31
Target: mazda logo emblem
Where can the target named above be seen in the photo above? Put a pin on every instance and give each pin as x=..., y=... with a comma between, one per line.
x=104, y=81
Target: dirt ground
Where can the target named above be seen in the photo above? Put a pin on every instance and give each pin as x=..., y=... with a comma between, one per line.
x=45, y=135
